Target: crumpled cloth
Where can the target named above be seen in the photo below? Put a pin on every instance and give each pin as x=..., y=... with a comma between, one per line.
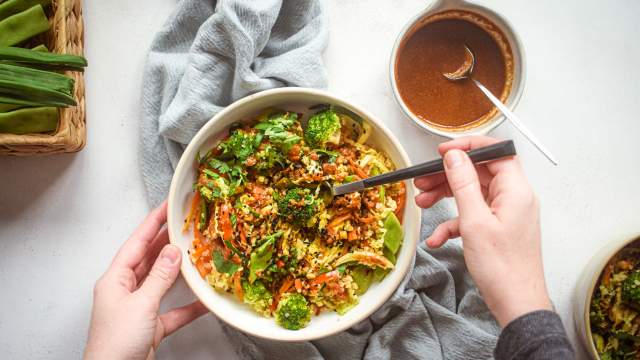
x=210, y=54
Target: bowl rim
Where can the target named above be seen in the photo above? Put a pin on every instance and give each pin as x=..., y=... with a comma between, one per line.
x=201, y=138
x=601, y=258
x=519, y=59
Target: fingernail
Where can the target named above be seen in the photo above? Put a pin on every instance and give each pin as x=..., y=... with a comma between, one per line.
x=428, y=242
x=169, y=255
x=453, y=159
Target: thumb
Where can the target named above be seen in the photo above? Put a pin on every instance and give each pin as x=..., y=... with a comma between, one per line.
x=163, y=273
x=464, y=184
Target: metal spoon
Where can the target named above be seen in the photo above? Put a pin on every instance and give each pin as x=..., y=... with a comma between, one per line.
x=465, y=71
x=477, y=156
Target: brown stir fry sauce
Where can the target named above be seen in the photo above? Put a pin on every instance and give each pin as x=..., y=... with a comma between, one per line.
x=435, y=46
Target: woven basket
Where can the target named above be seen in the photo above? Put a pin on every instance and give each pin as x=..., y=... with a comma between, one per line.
x=66, y=36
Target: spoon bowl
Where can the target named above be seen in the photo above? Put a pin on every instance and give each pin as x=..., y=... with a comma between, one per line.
x=465, y=70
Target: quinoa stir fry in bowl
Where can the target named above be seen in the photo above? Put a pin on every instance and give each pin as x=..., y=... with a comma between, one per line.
x=267, y=228
x=615, y=307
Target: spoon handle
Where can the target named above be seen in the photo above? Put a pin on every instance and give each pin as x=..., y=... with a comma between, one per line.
x=480, y=155
x=516, y=122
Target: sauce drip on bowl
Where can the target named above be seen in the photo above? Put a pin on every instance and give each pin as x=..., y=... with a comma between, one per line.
x=436, y=45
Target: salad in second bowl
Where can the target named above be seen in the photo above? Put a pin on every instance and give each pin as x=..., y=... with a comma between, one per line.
x=267, y=229
x=615, y=307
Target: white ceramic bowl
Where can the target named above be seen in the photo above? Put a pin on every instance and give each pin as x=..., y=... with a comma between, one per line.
x=518, y=65
x=585, y=287
x=226, y=306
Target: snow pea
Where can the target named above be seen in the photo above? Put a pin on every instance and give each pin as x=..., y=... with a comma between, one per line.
x=12, y=7
x=29, y=120
x=393, y=233
x=22, y=26
x=363, y=276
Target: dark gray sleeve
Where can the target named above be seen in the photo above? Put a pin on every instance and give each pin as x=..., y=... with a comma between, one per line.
x=536, y=335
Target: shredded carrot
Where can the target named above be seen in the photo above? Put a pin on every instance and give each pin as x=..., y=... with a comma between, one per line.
x=298, y=285
x=195, y=204
x=274, y=303
x=198, y=234
x=356, y=169
x=328, y=276
x=199, y=249
x=280, y=264
x=368, y=220
x=225, y=222
x=202, y=268
x=237, y=282
x=243, y=234
x=286, y=285
x=352, y=235
x=340, y=219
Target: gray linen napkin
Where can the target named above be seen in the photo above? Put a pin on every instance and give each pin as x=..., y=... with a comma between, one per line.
x=209, y=55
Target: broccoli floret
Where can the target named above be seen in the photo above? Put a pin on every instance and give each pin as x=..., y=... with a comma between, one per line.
x=241, y=144
x=268, y=157
x=257, y=296
x=323, y=128
x=293, y=312
x=631, y=288
x=297, y=205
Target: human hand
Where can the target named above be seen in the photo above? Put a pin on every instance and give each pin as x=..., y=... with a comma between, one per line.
x=125, y=323
x=499, y=225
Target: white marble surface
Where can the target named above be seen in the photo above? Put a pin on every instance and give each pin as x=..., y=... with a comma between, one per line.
x=63, y=217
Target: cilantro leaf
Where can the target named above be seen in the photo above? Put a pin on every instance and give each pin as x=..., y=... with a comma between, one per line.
x=222, y=265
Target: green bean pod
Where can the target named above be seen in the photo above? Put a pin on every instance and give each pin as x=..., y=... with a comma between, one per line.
x=35, y=93
x=29, y=120
x=10, y=100
x=35, y=77
x=44, y=59
x=8, y=107
x=23, y=26
x=12, y=7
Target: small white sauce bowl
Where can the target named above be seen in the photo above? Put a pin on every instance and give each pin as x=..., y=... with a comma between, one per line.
x=226, y=306
x=518, y=68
